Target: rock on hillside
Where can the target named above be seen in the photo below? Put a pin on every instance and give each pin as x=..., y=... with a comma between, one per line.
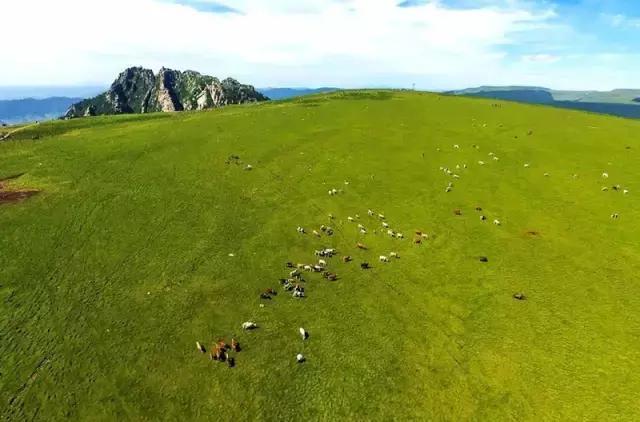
x=138, y=90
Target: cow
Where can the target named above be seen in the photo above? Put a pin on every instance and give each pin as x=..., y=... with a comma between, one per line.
x=304, y=333
x=200, y=347
x=384, y=258
x=235, y=346
x=249, y=325
x=365, y=266
x=361, y=246
x=346, y=259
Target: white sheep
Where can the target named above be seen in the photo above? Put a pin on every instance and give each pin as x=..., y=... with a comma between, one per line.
x=249, y=325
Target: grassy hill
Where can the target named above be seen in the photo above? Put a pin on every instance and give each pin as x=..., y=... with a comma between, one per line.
x=110, y=275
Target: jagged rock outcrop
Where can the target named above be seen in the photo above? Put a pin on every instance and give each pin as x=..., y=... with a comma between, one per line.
x=138, y=90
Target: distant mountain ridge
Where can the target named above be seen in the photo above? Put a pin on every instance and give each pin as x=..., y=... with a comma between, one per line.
x=284, y=93
x=618, y=102
x=139, y=90
x=30, y=109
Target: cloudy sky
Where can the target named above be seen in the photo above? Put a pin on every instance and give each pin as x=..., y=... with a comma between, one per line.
x=436, y=44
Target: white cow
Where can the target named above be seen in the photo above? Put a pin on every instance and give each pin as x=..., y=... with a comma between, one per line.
x=249, y=325
x=497, y=222
x=385, y=225
x=384, y=258
x=304, y=333
x=605, y=175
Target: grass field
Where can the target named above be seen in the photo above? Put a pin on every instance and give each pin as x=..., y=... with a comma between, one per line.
x=110, y=275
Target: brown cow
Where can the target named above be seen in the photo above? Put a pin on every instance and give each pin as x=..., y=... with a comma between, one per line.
x=346, y=258
x=361, y=246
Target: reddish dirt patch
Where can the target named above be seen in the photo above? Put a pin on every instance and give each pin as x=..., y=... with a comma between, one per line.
x=8, y=195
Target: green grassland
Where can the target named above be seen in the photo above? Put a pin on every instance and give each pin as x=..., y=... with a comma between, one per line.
x=110, y=275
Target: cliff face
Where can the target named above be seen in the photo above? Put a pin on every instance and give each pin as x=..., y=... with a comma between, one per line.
x=138, y=90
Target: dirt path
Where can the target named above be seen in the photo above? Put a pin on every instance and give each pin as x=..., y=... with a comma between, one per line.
x=8, y=134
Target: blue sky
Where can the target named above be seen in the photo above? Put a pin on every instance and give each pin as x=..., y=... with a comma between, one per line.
x=436, y=44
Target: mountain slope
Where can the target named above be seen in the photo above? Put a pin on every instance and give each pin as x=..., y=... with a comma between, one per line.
x=148, y=236
x=138, y=90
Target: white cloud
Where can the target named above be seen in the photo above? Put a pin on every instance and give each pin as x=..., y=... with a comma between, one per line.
x=271, y=43
x=540, y=58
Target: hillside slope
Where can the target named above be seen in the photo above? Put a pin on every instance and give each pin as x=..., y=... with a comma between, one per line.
x=149, y=235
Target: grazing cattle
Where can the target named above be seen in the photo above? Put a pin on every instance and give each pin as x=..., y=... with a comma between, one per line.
x=330, y=276
x=318, y=268
x=615, y=216
x=265, y=296
x=235, y=346
x=357, y=215
x=350, y=218
x=418, y=232
x=304, y=333
x=329, y=231
x=456, y=146
x=626, y=191
x=300, y=230
x=519, y=296
x=615, y=187
x=526, y=165
x=365, y=266
x=546, y=175
x=385, y=225
x=346, y=259
x=604, y=189
x=393, y=255
x=331, y=217
x=457, y=212
x=363, y=231
x=294, y=273
x=370, y=213
x=605, y=175
x=315, y=233
x=318, y=253
x=417, y=240
x=299, y=358
x=497, y=222
x=381, y=216
x=495, y=158
x=483, y=218
x=384, y=258
x=289, y=265
x=481, y=162
x=491, y=154
x=231, y=362
x=323, y=228
x=322, y=262
x=484, y=259
x=455, y=176
x=478, y=208
x=448, y=189
x=297, y=293
x=249, y=325
x=391, y=233
x=360, y=226
x=400, y=235
x=361, y=246
x=200, y=347
x=308, y=268
x=249, y=167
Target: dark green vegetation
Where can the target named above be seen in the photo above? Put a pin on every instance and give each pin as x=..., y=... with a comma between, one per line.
x=138, y=90
x=110, y=275
x=619, y=102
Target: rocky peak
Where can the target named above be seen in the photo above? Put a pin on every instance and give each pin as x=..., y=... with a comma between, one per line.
x=138, y=90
